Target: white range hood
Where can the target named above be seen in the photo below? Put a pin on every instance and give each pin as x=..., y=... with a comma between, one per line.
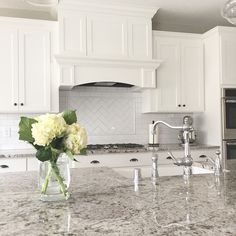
x=104, y=42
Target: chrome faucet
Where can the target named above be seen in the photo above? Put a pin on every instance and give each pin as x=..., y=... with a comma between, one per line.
x=187, y=160
x=155, y=174
x=217, y=163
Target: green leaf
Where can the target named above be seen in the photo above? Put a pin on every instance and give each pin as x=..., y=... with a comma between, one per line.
x=57, y=143
x=44, y=154
x=69, y=116
x=83, y=151
x=25, y=127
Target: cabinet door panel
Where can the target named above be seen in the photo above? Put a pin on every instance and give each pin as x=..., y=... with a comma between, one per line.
x=140, y=38
x=73, y=33
x=107, y=38
x=8, y=69
x=228, y=53
x=168, y=74
x=34, y=79
x=192, y=80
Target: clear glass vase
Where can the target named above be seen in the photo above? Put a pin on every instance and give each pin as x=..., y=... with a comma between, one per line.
x=54, y=179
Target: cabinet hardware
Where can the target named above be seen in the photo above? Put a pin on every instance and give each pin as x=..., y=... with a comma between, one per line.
x=22, y=104
x=15, y=104
x=168, y=158
x=94, y=162
x=184, y=105
x=4, y=166
x=179, y=105
x=202, y=156
x=133, y=160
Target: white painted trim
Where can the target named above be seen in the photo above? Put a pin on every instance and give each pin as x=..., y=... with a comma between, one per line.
x=176, y=34
x=65, y=60
x=120, y=8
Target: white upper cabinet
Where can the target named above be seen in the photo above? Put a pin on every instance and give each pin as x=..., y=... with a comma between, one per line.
x=192, y=75
x=34, y=70
x=8, y=69
x=228, y=56
x=27, y=67
x=180, y=80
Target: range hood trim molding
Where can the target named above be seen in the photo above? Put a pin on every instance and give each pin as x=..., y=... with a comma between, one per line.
x=100, y=6
x=142, y=73
x=71, y=60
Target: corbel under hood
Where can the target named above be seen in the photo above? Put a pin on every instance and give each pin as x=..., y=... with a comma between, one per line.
x=104, y=42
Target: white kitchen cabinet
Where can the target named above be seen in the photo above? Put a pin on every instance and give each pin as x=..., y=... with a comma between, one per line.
x=34, y=70
x=12, y=164
x=27, y=70
x=180, y=80
x=137, y=159
x=228, y=56
x=8, y=68
x=32, y=164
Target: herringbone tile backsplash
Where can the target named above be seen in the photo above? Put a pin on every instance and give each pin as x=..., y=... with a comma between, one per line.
x=113, y=115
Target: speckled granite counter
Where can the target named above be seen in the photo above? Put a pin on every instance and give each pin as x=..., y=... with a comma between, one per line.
x=163, y=147
x=104, y=203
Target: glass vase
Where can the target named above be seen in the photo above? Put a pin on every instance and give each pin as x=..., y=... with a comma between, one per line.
x=54, y=179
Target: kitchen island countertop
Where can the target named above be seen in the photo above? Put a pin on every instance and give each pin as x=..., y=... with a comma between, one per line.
x=104, y=203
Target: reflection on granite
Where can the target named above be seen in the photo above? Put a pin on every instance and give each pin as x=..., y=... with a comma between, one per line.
x=104, y=203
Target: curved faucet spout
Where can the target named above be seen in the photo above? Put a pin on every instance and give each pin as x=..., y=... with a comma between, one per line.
x=166, y=124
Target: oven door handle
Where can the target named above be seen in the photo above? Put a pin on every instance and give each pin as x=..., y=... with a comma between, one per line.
x=231, y=144
x=230, y=101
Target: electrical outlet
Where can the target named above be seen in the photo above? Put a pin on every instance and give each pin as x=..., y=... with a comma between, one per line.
x=6, y=132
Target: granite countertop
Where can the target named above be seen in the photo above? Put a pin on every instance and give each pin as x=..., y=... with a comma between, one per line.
x=104, y=203
x=163, y=147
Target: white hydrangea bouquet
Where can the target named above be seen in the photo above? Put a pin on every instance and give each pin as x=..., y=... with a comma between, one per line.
x=53, y=135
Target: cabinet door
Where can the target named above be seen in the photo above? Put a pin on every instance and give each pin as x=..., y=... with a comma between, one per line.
x=168, y=74
x=140, y=38
x=72, y=33
x=228, y=58
x=12, y=164
x=192, y=79
x=107, y=38
x=34, y=68
x=8, y=69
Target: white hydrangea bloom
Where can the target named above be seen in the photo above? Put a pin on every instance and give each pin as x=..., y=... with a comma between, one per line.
x=47, y=128
x=76, y=138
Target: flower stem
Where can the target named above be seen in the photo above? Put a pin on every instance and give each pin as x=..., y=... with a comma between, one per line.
x=56, y=172
x=46, y=181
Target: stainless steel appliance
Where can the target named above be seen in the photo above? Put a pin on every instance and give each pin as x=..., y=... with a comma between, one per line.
x=229, y=127
x=229, y=113
x=229, y=152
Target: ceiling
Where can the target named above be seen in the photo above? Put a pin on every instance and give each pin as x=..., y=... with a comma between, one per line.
x=194, y=16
